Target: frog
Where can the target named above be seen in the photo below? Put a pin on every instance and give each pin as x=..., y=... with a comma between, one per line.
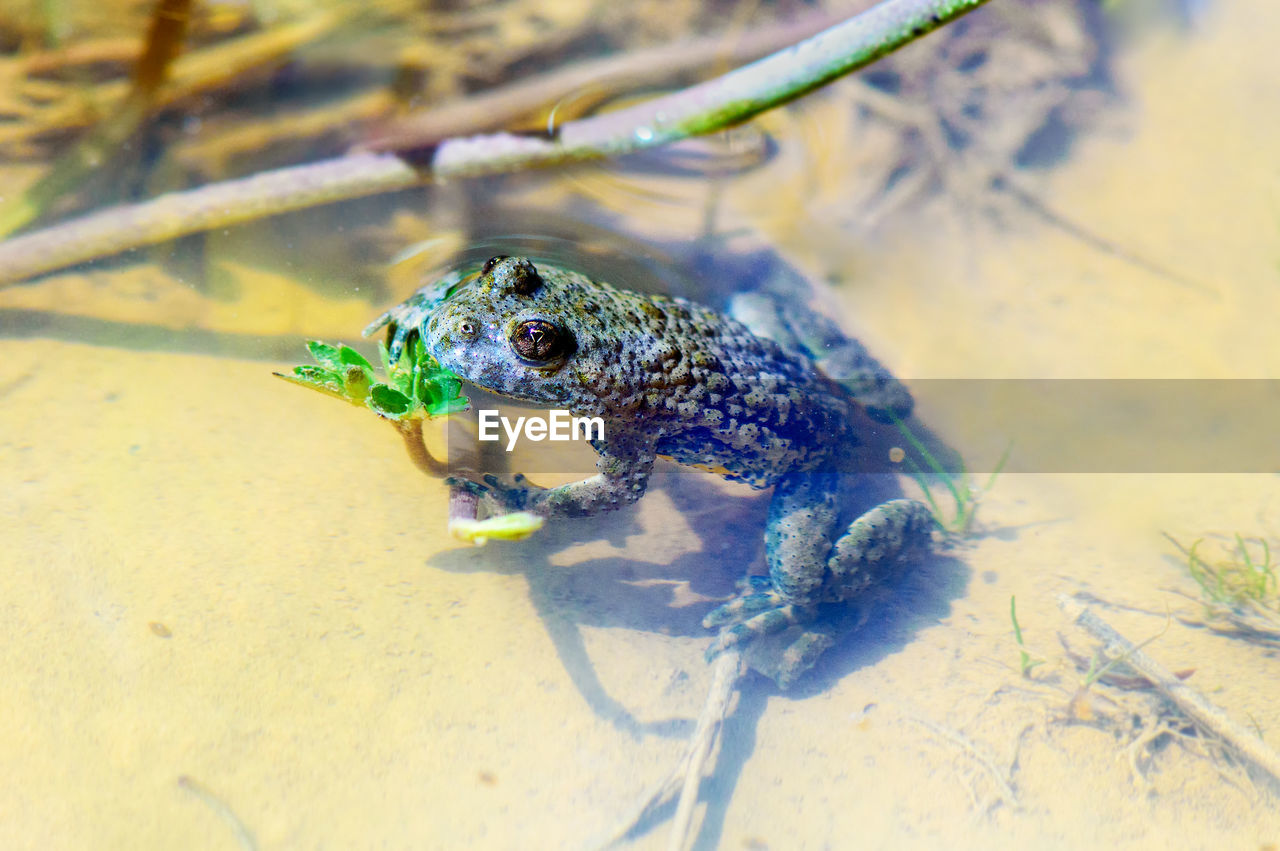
x=675, y=380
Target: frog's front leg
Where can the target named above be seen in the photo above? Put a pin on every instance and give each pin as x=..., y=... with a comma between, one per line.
x=809, y=565
x=624, y=466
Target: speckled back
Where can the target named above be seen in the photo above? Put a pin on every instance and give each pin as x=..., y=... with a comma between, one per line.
x=658, y=370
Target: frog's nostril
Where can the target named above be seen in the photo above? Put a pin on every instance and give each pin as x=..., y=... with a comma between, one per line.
x=467, y=329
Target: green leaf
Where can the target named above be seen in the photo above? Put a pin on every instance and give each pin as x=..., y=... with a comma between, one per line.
x=388, y=402
x=350, y=357
x=449, y=406
x=315, y=373
x=384, y=356
x=414, y=387
x=316, y=378
x=324, y=354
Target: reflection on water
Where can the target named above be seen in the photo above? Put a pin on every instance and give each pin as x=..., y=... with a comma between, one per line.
x=234, y=617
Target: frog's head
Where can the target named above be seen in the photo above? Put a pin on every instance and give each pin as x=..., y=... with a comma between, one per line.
x=517, y=332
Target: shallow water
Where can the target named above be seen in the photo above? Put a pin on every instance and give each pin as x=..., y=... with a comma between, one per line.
x=210, y=575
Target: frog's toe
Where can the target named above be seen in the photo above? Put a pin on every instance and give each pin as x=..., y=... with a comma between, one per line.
x=514, y=494
x=767, y=622
x=784, y=657
x=745, y=607
x=466, y=484
x=498, y=496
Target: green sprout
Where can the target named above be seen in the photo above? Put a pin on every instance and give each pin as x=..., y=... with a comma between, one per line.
x=1242, y=580
x=416, y=387
x=1027, y=662
x=964, y=492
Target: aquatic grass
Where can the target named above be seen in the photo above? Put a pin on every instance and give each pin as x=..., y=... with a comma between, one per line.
x=1027, y=662
x=965, y=494
x=1237, y=580
x=1238, y=591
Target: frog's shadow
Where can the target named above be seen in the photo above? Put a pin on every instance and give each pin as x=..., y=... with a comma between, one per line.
x=623, y=591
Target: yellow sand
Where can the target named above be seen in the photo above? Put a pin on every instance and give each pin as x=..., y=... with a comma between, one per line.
x=209, y=574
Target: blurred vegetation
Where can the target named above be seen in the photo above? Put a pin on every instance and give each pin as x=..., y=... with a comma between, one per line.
x=261, y=85
x=1237, y=582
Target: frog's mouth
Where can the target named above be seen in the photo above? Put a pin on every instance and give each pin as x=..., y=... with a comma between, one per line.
x=503, y=376
x=514, y=389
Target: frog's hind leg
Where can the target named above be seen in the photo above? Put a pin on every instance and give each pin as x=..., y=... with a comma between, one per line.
x=877, y=546
x=803, y=517
x=806, y=568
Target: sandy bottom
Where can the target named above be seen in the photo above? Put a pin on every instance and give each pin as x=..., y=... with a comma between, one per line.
x=227, y=601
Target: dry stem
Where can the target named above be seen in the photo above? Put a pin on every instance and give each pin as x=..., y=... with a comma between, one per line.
x=687, y=775
x=416, y=445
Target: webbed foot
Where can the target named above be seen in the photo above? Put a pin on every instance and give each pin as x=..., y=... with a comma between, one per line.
x=778, y=617
x=496, y=495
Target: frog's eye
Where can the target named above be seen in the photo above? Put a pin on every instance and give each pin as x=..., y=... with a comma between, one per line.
x=539, y=341
x=490, y=263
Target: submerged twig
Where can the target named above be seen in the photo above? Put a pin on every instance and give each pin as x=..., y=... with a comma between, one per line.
x=704, y=108
x=957, y=738
x=192, y=74
x=1006, y=182
x=1185, y=697
x=724, y=675
x=687, y=775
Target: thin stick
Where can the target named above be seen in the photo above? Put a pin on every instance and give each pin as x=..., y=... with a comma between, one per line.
x=704, y=108
x=689, y=768
x=1002, y=785
x=724, y=676
x=1186, y=698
